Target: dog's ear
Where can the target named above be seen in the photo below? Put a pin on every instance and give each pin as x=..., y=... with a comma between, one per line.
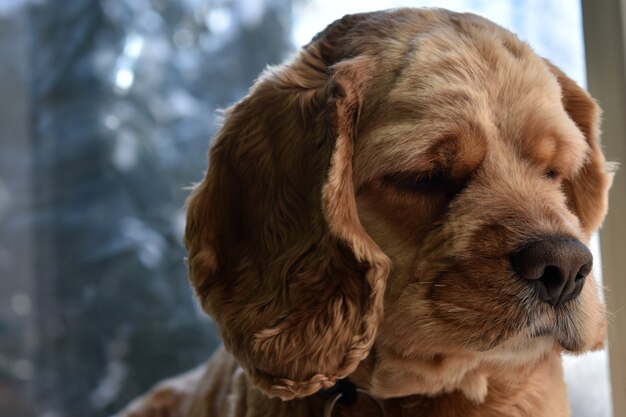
x=277, y=254
x=588, y=191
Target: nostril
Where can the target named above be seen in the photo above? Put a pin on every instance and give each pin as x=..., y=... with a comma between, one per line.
x=583, y=271
x=551, y=277
x=552, y=282
x=576, y=287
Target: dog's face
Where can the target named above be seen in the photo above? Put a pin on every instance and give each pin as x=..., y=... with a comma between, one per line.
x=462, y=168
x=416, y=181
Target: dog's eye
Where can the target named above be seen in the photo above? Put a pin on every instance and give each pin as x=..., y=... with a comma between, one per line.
x=552, y=174
x=419, y=182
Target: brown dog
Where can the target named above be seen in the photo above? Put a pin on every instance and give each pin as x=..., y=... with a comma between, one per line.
x=406, y=205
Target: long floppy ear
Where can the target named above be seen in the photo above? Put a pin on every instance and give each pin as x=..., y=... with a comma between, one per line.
x=277, y=254
x=588, y=191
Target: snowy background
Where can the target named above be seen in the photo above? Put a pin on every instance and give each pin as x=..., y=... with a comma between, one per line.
x=106, y=111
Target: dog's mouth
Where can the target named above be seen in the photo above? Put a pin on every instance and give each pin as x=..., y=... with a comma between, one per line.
x=544, y=331
x=568, y=341
x=563, y=325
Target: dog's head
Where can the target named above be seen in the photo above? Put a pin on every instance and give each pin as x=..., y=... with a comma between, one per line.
x=415, y=180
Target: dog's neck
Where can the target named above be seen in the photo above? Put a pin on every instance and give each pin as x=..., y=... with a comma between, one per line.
x=387, y=373
x=511, y=393
x=500, y=391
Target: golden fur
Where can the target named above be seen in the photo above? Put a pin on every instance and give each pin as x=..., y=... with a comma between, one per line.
x=321, y=255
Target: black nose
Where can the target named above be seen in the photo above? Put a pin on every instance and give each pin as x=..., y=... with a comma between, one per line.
x=556, y=266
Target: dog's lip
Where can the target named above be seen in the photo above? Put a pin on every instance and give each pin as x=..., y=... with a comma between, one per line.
x=560, y=328
x=568, y=337
x=543, y=331
x=569, y=343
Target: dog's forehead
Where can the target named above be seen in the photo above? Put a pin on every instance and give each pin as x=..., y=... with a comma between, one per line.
x=475, y=83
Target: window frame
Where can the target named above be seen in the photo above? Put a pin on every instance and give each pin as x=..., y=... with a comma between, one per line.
x=605, y=55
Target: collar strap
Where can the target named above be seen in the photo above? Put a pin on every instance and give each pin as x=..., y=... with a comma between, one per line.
x=345, y=393
x=346, y=389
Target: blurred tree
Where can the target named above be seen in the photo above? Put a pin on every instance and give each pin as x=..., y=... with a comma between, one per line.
x=123, y=95
x=16, y=238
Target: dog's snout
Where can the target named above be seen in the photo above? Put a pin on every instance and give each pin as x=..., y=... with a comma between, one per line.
x=556, y=266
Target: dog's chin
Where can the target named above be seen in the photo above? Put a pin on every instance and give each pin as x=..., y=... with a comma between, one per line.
x=574, y=339
x=570, y=344
x=464, y=369
x=564, y=327
x=567, y=340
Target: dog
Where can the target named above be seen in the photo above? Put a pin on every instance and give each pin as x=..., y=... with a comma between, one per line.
x=400, y=214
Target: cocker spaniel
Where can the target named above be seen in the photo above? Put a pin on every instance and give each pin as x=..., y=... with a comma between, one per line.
x=396, y=221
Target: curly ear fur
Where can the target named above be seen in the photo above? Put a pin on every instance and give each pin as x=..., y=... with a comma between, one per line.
x=277, y=254
x=588, y=191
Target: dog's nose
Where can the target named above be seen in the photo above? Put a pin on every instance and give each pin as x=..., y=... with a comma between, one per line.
x=557, y=266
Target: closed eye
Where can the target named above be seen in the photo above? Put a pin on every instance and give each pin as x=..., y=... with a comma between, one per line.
x=553, y=175
x=420, y=182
